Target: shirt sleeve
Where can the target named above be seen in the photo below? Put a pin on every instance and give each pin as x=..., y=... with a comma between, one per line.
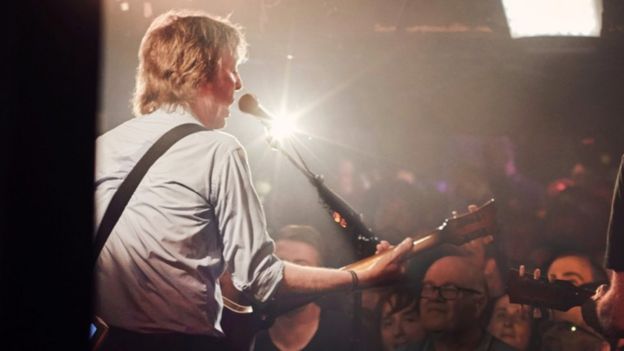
x=247, y=247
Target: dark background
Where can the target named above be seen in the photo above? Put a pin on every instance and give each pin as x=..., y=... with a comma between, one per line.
x=49, y=101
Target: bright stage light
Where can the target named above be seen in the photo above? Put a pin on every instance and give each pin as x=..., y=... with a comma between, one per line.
x=280, y=128
x=529, y=18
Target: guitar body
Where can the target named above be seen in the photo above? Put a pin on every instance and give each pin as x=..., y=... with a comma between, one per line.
x=239, y=320
x=240, y=329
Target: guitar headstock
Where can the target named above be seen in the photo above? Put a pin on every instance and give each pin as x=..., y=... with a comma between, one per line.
x=558, y=294
x=466, y=227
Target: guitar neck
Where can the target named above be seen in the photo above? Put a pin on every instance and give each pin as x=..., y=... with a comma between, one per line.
x=558, y=294
x=421, y=244
x=457, y=230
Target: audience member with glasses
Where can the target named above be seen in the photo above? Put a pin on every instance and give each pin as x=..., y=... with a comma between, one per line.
x=452, y=308
x=446, y=292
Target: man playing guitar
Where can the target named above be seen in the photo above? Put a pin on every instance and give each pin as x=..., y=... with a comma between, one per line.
x=195, y=215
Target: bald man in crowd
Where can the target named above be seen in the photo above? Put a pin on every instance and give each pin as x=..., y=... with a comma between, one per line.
x=452, y=305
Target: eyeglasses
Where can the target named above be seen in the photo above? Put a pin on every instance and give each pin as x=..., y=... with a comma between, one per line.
x=447, y=292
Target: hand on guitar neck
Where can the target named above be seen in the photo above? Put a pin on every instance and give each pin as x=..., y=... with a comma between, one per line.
x=472, y=231
x=389, y=265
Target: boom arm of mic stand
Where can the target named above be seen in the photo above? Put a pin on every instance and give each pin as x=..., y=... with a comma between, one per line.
x=342, y=213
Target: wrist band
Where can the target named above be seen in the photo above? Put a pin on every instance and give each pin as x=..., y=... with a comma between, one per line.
x=355, y=281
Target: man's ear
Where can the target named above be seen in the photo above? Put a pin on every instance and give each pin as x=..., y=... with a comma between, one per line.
x=490, y=266
x=205, y=87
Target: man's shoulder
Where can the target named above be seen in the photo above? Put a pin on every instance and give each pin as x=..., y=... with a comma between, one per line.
x=221, y=137
x=148, y=128
x=216, y=143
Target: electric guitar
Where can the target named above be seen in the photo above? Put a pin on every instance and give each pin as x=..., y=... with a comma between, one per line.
x=242, y=319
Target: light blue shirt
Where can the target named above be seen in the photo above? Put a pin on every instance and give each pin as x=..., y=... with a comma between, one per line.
x=194, y=212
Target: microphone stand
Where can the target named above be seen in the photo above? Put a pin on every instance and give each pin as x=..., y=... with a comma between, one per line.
x=345, y=217
x=341, y=212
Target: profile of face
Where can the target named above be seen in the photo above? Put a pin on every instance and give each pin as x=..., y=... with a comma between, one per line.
x=297, y=252
x=577, y=270
x=511, y=323
x=214, y=97
x=453, y=297
x=399, y=328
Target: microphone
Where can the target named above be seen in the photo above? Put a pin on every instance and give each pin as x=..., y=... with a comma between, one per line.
x=248, y=103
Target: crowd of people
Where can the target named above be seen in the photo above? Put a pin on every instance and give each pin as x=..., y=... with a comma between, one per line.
x=455, y=298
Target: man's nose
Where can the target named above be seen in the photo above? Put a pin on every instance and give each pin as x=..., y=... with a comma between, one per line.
x=239, y=82
x=438, y=297
x=398, y=329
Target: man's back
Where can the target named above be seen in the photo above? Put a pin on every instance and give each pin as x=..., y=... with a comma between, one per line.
x=162, y=259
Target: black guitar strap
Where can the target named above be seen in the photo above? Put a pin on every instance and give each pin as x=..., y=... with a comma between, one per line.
x=125, y=191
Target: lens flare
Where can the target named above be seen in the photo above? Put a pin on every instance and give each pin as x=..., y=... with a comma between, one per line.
x=281, y=128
